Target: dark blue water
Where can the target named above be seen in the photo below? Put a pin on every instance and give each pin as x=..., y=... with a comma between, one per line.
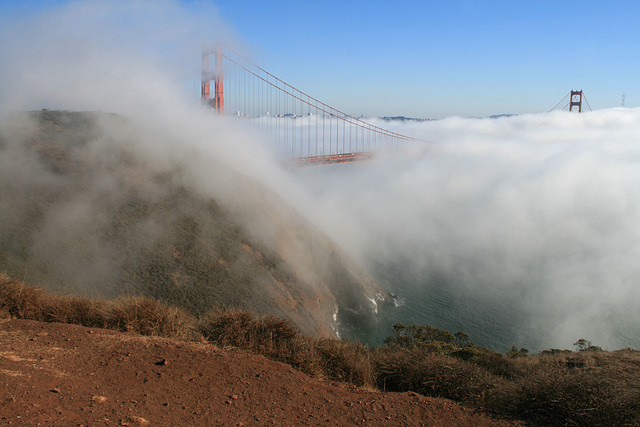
x=491, y=319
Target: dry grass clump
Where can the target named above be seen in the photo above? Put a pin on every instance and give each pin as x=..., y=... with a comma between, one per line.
x=76, y=310
x=345, y=361
x=132, y=314
x=21, y=301
x=575, y=388
x=270, y=336
x=146, y=316
x=557, y=396
x=278, y=339
x=239, y=328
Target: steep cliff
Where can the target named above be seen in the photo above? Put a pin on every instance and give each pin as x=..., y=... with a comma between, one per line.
x=83, y=210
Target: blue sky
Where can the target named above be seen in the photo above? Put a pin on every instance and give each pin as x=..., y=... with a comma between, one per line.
x=440, y=58
x=436, y=58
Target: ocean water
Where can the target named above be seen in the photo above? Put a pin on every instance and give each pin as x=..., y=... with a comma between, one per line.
x=490, y=316
x=491, y=320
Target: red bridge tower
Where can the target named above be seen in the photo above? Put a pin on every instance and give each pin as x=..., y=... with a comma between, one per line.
x=218, y=101
x=576, y=100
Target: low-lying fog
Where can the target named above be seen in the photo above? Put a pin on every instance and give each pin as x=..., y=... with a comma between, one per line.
x=523, y=227
x=529, y=221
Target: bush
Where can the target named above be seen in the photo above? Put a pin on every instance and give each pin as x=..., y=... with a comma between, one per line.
x=345, y=361
x=146, y=316
x=432, y=339
x=514, y=352
x=497, y=364
x=76, y=310
x=133, y=314
x=229, y=327
x=22, y=301
x=586, y=345
x=553, y=394
x=430, y=374
x=270, y=336
x=278, y=339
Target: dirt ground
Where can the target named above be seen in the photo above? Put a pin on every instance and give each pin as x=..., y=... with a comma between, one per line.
x=66, y=375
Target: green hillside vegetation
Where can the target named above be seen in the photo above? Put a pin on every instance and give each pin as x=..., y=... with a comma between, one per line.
x=553, y=388
x=88, y=210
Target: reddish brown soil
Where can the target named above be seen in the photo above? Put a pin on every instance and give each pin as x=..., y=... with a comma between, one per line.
x=56, y=374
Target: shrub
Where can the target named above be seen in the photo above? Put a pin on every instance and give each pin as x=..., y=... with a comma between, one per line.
x=76, y=310
x=279, y=339
x=514, y=352
x=432, y=339
x=431, y=374
x=228, y=327
x=270, y=336
x=421, y=336
x=553, y=351
x=22, y=301
x=497, y=364
x=345, y=361
x=134, y=314
x=586, y=345
x=146, y=316
x=553, y=394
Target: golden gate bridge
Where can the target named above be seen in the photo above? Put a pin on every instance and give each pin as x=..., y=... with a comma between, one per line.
x=298, y=125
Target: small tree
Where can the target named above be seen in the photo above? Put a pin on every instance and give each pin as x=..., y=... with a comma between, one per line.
x=582, y=344
x=462, y=340
x=585, y=345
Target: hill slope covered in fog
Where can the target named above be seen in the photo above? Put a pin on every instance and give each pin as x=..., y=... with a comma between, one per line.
x=86, y=210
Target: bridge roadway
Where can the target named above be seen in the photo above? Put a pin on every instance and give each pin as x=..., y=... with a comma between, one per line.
x=334, y=158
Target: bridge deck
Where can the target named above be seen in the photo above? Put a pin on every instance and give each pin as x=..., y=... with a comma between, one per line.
x=335, y=158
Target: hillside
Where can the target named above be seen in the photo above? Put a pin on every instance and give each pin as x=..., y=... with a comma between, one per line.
x=556, y=387
x=56, y=374
x=87, y=209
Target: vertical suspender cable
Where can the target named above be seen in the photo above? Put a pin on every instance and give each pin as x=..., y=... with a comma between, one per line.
x=323, y=114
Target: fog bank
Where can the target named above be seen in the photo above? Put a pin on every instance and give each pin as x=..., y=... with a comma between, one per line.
x=536, y=214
